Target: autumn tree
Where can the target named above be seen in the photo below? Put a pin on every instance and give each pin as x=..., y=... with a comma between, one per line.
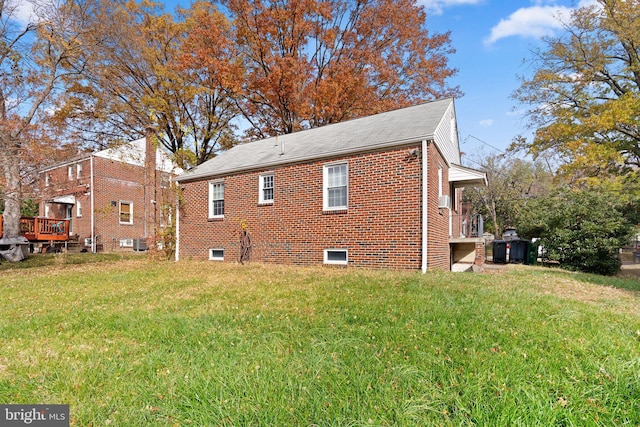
x=146, y=69
x=34, y=59
x=584, y=96
x=512, y=183
x=310, y=63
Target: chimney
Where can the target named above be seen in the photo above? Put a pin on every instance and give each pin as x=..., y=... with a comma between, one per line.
x=150, y=151
x=150, y=187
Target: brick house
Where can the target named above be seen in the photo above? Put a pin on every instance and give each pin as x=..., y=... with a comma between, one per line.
x=382, y=191
x=115, y=199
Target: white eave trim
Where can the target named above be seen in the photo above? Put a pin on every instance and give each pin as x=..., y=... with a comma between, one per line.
x=461, y=176
x=64, y=200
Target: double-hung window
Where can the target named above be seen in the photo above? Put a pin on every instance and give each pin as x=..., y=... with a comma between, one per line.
x=266, y=188
x=126, y=213
x=216, y=199
x=335, y=186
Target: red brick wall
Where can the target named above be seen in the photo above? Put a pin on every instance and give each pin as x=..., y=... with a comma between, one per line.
x=78, y=186
x=114, y=181
x=381, y=227
x=438, y=250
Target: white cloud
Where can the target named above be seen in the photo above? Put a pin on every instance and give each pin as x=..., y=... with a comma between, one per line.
x=21, y=12
x=535, y=21
x=25, y=12
x=486, y=123
x=437, y=6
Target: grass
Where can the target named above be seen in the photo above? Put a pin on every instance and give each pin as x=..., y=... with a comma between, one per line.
x=132, y=341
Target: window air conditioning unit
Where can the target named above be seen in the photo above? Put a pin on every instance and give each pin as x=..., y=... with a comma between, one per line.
x=444, y=202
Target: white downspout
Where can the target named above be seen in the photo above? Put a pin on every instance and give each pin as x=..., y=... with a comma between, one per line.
x=425, y=205
x=93, y=224
x=177, y=223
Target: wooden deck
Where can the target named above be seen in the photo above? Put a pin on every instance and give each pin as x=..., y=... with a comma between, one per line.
x=37, y=229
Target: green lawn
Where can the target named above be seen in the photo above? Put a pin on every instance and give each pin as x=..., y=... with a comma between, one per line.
x=133, y=341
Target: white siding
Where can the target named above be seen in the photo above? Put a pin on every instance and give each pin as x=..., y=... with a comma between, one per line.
x=446, y=136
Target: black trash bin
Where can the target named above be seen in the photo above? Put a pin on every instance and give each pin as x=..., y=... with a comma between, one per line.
x=499, y=252
x=532, y=254
x=518, y=250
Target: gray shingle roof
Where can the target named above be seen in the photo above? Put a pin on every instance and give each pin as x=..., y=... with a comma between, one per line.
x=393, y=128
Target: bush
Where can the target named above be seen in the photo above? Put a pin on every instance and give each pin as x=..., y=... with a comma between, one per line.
x=583, y=230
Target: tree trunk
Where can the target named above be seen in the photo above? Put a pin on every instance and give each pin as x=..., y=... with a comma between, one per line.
x=12, y=190
x=12, y=199
x=497, y=232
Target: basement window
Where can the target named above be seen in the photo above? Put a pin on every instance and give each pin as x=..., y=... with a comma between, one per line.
x=336, y=256
x=216, y=254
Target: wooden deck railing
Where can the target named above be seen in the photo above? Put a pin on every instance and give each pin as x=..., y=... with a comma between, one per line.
x=37, y=229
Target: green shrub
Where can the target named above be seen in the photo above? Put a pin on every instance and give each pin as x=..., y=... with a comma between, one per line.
x=583, y=230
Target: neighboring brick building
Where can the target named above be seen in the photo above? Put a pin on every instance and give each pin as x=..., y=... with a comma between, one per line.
x=381, y=191
x=114, y=198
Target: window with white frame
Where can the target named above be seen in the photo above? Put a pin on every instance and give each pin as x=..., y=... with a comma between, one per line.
x=126, y=212
x=335, y=186
x=216, y=199
x=70, y=172
x=78, y=170
x=266, y=188
x=78, y=208
x=216, y=254
x=47, y=179
x=336, y=256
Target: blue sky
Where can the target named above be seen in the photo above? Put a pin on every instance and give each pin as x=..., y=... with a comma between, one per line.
x=492, y=38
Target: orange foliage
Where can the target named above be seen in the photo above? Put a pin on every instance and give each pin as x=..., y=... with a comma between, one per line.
x=311, y=63
x=209, y=50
